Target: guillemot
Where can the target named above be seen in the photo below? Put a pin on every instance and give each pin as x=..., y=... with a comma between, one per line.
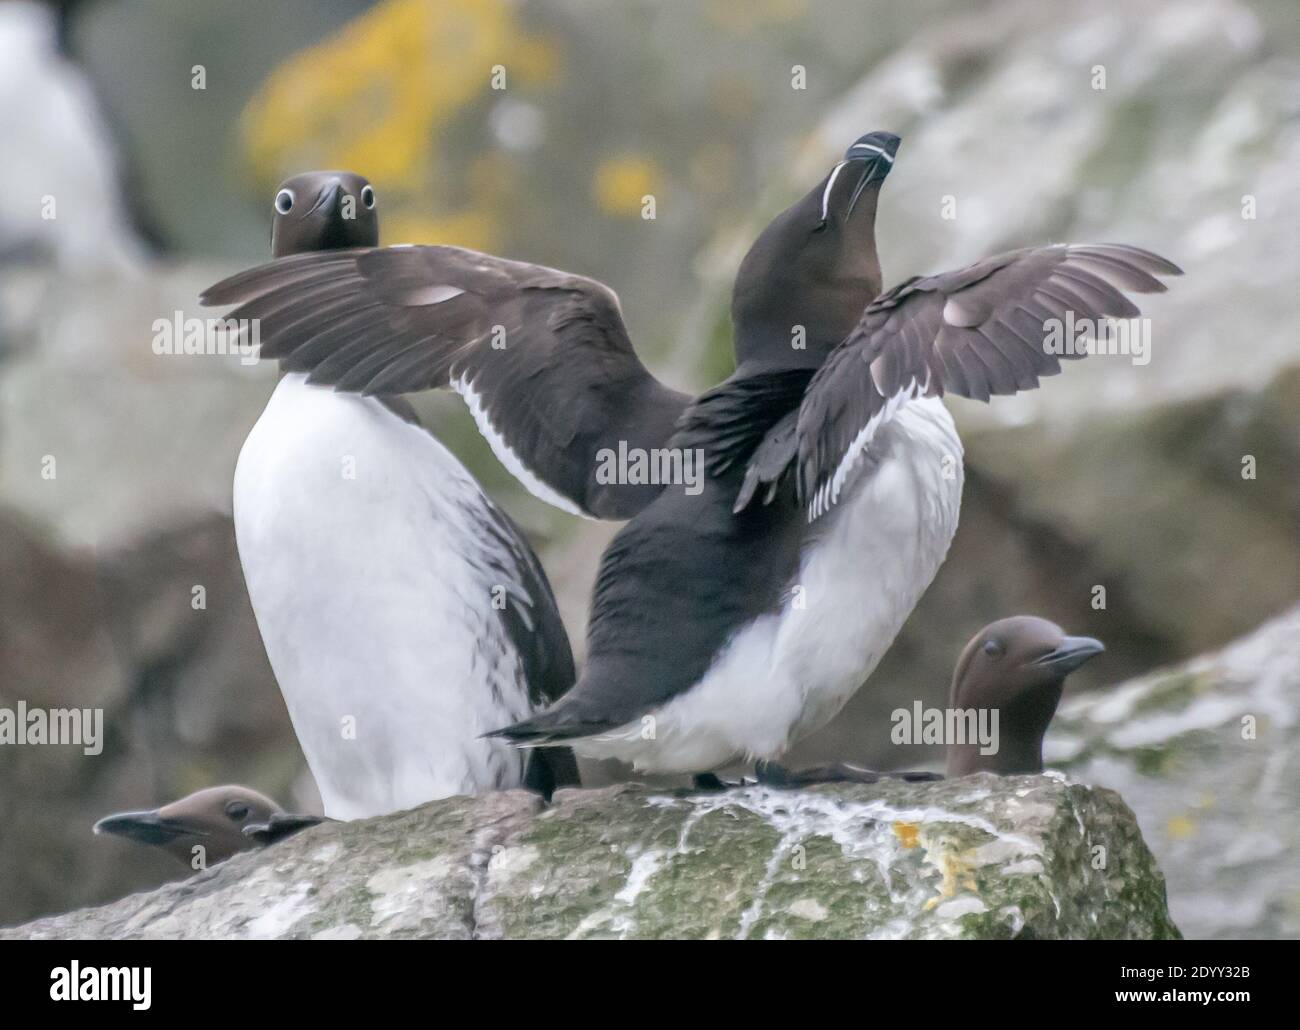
x=728, y=623
x=540, y=357
x=403, y=613
x=1010, y=677
x=214, y=822
x=1017, y=668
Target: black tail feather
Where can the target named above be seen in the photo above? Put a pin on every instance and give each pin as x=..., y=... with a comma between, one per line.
x=558, y=724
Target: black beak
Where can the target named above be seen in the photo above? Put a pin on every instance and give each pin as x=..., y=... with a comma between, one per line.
x=329, y=198
x=1070, y=653
x=279, y=826
x=146, y=827
x=876, y=152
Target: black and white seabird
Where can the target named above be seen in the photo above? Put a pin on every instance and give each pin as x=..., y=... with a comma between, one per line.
x=216, y=819
x=1016, y=667
x=726, y=623
x=403, y=613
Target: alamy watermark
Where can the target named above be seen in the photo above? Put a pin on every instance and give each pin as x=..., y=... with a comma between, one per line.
x=659, y=466
x=1072, y=337
x=946, y=726
x=83, y=727
x=214, y=336
x=75, y=982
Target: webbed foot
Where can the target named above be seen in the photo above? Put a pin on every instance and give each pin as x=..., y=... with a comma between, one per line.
x=709, y=781
x=773, y=774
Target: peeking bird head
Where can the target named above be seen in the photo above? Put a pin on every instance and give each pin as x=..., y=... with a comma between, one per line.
x=213, y=819
x=1016, y=667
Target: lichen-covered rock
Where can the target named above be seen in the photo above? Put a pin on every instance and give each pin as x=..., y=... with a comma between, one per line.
x=413, y=874
x=1208, y=754
x=978, y=857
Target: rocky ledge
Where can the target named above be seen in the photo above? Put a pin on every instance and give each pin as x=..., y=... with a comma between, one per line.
x=1208, y=752
x=980, y=857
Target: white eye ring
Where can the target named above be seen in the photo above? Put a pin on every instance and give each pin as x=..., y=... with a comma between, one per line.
x=284, y=201
x=368, y=196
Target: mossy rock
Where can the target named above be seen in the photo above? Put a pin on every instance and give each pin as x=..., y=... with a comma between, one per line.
x=979, y=857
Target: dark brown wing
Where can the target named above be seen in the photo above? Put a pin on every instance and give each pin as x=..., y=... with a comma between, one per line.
x=541, y=357
x=987, y=329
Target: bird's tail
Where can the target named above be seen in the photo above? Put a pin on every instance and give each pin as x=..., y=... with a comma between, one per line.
x=561, y=722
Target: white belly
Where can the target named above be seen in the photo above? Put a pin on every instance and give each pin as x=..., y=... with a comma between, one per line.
x=864, y=567
x=358, y=534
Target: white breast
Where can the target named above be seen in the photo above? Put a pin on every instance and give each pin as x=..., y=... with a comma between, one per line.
x=360, y=541
x=864, y=567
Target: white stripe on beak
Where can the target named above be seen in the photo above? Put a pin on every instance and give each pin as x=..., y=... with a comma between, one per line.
x=875, y=149
x=826, y=193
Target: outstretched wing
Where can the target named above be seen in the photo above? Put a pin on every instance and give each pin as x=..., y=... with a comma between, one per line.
x=987, y=329
x=541, y=357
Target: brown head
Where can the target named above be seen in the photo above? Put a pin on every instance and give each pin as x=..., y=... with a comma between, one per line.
x=213, y=819
x=324, y=211
x=814, y=266
x=1017, y=667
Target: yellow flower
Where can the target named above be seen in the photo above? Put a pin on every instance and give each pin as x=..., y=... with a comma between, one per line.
x=460, y=229
x=375, y=97
x=621, y=184
x=906, y=833
x=1180, y=827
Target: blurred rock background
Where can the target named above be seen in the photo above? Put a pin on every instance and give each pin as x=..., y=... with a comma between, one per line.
x=1119, y=475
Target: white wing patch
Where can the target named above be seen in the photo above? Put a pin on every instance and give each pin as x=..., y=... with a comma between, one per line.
x=505, y=454
x=829, y=492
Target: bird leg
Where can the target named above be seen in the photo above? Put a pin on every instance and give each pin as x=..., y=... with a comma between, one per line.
x=710, y=782
x=772, y=774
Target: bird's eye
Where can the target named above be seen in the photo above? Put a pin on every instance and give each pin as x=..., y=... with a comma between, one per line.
x=367, y=196
x=993, y=648
x=284, y=201
x=237, y=810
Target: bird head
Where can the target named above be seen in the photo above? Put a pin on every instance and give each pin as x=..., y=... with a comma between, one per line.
x=324, y=211
x=1018, y=667
x=803, y=284
x=213, y=819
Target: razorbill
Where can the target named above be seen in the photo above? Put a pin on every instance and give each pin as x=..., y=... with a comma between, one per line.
x=403, y=613
x=730, y=621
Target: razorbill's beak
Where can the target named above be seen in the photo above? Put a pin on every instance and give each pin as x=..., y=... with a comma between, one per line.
x=875, y=153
